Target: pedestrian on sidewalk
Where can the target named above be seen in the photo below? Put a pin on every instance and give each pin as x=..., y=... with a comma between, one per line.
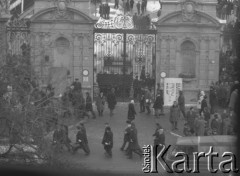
x=159, y=140
x=58, y=139
x=116, y=4
x=204, y=104
x=131, y=111
x=142, y=102
x=148, y=97
x=190, y=117
x=66, y=140
x=138, y=7
x=181, y=103
x=111, y=99
x=81, y=140
x=131, y=5
x=107, y=141
x=174, y=115
x=126, y=138
x=89, y=107
x=100, y=103
x=158, y=104
x=143, y=6
x=133, y=145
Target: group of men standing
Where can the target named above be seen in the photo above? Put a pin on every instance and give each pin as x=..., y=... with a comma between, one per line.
x=104, y=10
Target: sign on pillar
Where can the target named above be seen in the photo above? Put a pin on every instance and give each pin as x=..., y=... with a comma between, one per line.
x=172, y=86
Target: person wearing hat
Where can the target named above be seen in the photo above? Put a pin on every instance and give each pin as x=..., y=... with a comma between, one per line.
x=126, y=138
x=133, y=142
x=158, y=104
x=107, y=141
x=159, y=139
x=81, y=140
x=131, y=111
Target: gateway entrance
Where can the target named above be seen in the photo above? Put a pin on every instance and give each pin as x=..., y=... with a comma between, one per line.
x=122, y=52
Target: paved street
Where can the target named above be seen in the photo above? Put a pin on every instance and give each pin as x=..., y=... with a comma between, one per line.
x=119, y=163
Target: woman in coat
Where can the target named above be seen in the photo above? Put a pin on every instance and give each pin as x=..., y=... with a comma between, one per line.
x=158, y=104
x=174, y=115
x=108, y=141
x=100, y=102
x=131, y=111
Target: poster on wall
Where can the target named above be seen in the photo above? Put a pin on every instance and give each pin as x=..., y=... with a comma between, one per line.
x=172, y=86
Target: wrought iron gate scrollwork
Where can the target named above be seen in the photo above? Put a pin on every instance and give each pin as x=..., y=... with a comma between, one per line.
x=120, y=53
x=18, y=35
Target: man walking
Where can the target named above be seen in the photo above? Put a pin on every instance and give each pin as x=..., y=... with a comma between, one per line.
x=108, y=141
x=81, y=140
x=89, y=107
x=181, y=103
x=126, y=138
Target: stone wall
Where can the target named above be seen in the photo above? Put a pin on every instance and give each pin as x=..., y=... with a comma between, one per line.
x=77, y=29
x=203, y=31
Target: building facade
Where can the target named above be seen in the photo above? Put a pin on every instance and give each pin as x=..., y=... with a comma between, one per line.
x=188, y=44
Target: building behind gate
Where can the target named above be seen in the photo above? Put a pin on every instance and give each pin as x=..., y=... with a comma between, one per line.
x=64, y=47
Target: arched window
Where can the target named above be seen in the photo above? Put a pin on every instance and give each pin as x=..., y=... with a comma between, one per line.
x=188, y=57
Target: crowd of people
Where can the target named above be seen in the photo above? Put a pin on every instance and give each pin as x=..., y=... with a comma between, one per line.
x=104, y=10
x=141, y=21
x=227, y=7
x=206, y=119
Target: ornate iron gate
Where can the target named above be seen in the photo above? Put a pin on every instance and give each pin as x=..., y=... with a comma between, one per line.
x=18, y=36
x=120, y=53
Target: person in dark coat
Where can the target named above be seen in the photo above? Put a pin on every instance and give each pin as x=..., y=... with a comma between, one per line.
x=133, y=144
x=107, y=141
x=203, y=104
x=181, y=103
x=116, y=4
x=100, y=102
x=77, y=86
x=135, y=17
x=111, y=99
x=126, y=138
x=174, y=115
x=65, y=138
x=58, y=139
x=81, y=140
x=142, y=102
x=187, y=130
x=213, y=99
x=131, y=111
x=143, y=6
x=227, y=126
x=190, y=117
x=159, y=139
x=89, y=107
x=206, y=114
x=127, y=6
x=138, y=7
x=214, y=124
x=131, y=5
x=107, y=11
x=158, y=104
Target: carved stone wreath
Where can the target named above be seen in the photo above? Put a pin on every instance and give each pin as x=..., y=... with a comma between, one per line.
x=188, y=11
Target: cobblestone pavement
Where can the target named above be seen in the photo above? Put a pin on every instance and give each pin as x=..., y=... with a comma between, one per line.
x=97, y=161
